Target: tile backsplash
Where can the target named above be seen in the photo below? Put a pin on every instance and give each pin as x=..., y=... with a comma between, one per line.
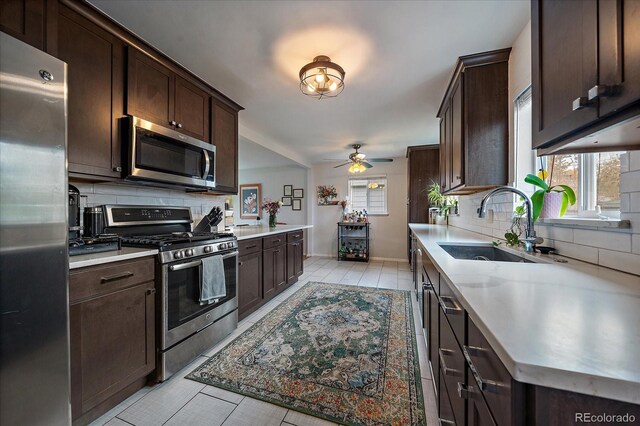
x=611, y=247
x=109, y=193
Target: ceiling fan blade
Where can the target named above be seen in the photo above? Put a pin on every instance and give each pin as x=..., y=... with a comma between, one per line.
x=343, y=164
x=367, y=165
x=381, y=160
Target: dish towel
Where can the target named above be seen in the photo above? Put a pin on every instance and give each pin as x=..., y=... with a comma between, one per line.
x=212, y=285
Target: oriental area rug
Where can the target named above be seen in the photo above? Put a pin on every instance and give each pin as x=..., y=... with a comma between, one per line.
x=343, y=353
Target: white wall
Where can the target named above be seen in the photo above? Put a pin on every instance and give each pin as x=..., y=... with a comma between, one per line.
x=614, y=248
x=388, y=234
x=273, y=180
x=111, y=193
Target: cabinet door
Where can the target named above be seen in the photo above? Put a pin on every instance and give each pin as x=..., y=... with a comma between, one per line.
x=191, y=110
x=112, y=343
x=280, y=261
x=150, y=92
x=562, y=71
x=95, y=94
x=619, y=53
x=24, y=20
x=444, y=150
x=269, y=283
x=298, y=259
x=224, y=135
x=249, y=282
x=478, y=413
x=434, y=336
x=291, y=262
x=456, y=177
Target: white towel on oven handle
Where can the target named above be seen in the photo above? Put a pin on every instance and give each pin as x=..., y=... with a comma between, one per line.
x=213, y=284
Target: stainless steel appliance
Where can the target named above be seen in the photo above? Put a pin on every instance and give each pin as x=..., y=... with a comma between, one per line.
x=165, y=156
x=187, y=327
x=34, y=320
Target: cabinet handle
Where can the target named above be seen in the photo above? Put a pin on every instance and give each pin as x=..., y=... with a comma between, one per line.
x=483, y=384
x=602, y=91
x=446, y=422
x=250, y=247
x=464, y=392
x=580, y=103
x=277, y=251
x=117, y=169
x=276, y=241
x=296, y=236
x=116, y=277
x=173, y=122
x=240, y=263
x=458, y=178
x=446, y=370
x=179, y=125
x=455, y=310
x=151, y=291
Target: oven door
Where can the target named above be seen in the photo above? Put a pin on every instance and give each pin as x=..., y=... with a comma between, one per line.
x=164, y=155
x=182, y=313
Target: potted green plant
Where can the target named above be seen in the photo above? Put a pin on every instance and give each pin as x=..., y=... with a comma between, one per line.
x=442, y=202
x=549, y=201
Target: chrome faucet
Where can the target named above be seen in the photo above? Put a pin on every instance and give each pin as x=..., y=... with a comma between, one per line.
x=530, y=234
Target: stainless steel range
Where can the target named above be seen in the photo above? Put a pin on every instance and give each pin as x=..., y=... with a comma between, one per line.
x=187, y=327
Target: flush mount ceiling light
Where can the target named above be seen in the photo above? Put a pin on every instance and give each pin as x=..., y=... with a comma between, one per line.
x=322, y=78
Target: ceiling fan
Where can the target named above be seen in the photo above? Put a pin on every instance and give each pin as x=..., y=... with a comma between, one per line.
x=358, y=163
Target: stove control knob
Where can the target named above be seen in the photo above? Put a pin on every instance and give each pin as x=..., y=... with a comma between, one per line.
x=222, y=246
x=189, y=252
x=208, y=249
x=178, y=255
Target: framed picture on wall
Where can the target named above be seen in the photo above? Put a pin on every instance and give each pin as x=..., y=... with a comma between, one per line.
x=298, y=193
x=250, y=196
x=286, y=201
x=288, y=190
x=296, y=204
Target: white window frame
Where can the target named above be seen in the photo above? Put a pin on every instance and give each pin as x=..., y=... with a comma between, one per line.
x=370, y=179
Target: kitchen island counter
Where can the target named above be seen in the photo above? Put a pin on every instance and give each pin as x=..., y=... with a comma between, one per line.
x=248, y=232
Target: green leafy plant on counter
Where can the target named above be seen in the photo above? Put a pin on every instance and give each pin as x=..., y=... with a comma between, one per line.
x=436, y=199
x=517, y=227
x=537, y=199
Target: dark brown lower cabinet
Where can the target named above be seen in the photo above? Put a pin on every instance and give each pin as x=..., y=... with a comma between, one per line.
x=294, y=261
x=112, y=334
x=445, y=411
x=478, y=413
x=274, y=270
x=452, y=367
x=249, y=283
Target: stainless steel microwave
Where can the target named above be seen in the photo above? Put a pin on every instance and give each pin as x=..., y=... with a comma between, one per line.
x=161, y=155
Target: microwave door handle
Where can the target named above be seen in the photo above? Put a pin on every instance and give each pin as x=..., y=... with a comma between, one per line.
x=207, y=164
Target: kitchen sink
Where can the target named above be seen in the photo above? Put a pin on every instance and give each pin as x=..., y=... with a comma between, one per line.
x=481, y=252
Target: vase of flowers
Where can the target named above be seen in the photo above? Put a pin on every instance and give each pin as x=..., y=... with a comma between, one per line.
x=550, y=201
x=272, y=208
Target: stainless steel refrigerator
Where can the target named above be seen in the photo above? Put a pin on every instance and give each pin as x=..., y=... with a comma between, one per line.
x=34, y=319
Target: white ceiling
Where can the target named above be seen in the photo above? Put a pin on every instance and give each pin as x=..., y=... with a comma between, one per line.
x=251, y=156
x=398, y=57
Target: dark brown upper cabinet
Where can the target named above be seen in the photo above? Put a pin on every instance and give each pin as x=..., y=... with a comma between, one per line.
x=474, y=124
x=95, y=80
x=155, y=93
x=585, y=74
x=24, y=20
x=224, y=129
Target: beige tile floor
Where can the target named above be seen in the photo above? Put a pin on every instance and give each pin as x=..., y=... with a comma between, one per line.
x=180, y=401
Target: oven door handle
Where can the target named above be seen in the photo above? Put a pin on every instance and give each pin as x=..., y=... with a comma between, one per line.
x=188, y=265
x=228, y=255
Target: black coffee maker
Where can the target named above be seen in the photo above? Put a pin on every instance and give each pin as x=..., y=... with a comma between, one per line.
x=74, y=213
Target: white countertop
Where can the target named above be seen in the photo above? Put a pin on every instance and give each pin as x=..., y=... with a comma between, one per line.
x=246, y=232
x=93, y=259
x=573, y=326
